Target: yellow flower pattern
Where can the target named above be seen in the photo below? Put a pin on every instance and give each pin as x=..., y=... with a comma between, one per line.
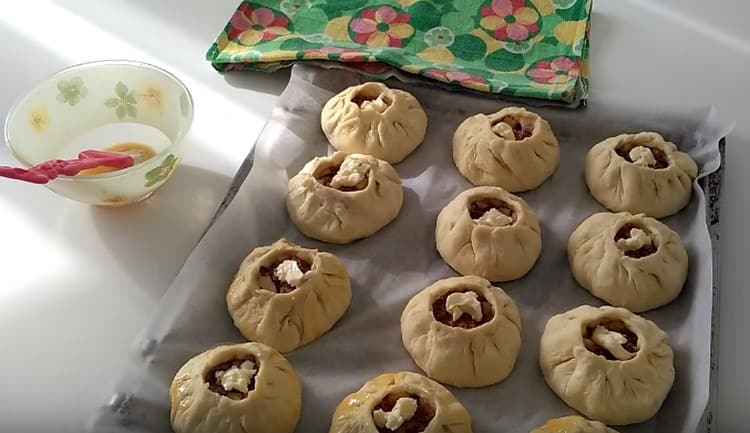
x=338, y=29
x=39, y=118
x=568, y=32
x=438, y=55
x=229, y=47
x=152, y=97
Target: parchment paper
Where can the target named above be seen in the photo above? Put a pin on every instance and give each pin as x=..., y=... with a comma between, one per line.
x=400, y=260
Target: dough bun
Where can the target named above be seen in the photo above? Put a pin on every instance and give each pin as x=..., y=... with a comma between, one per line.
x=488, y=232
x=607, y=363
x=437, y=409
x=270, y=401
x=640, y=173
x=266, y=307
x=342, y=198
x=375, y=120
x=630, y=261
x=462, y=331
x=514, y=149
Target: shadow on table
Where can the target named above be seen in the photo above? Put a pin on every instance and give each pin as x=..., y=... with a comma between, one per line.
x=263, y=82
x=144, y=236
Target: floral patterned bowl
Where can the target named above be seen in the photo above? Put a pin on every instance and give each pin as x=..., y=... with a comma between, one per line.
x=99, y=105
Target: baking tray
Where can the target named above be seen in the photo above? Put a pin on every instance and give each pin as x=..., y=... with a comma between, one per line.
x=192, y=316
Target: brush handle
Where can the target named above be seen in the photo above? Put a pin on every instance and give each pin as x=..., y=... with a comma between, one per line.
x=48, y=170
x=23, y=174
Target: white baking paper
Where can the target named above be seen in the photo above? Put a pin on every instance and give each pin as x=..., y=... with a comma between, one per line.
x=400, y=260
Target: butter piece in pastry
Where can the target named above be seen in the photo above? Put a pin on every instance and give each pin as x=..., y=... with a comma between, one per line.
x=342, y=198
x=375, y=120
x=573, y=424
x=238, y=388
x=630, y=261
x=462, y=331
x=640, y=173
x=607, y=363
x=286, y=296
x=514, y=149
x=401, y=403
x=489, y=232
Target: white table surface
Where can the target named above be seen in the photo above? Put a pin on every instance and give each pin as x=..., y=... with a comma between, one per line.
x=78, y=283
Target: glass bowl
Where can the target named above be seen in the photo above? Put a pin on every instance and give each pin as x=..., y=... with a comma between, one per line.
x=122, y=106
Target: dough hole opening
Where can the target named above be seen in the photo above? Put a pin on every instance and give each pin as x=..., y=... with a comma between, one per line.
x=281, y=275
x=634, y=241
x=325, y=175
x=422, y=417
x=478, y=209
x=657, y=160
x=620, y=335
x=371, y=97
x=234, y=378
x=442, y=314
x=513, y=127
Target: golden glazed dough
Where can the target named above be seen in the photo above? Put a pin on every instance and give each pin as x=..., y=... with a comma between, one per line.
x=265, y=398
x=573, y=424
x=286, y=296
x=514, y=149
x=375, y=120
x=607, y=363
x=341, y=198
x=640, y=173
x=471, y=341
x=437, y=410
x=630, y=261
x=488, y=232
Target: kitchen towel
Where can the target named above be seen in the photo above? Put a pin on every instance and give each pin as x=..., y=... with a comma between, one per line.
x=518, y=48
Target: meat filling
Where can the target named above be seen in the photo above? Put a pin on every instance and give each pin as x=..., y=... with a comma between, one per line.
x=219, y=386
x=512, y=128
x=638, y=154
x=634, y=248
x=628, y=340
x=478, y=208
x=369, y=98
x=271, y=279
x=466, y=321
x=326, y=175
x=417, y=423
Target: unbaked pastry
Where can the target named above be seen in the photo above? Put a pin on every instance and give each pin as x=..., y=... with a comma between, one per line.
x=341, y=198
x=286, y=296
x=489, y=232
x=573, y=424
x=640, y=173
x=238, y=388
x=630, y=261
x=514, y=149
x=375, y=120
x=462, y=331
x=607, y=363
x=401, y=403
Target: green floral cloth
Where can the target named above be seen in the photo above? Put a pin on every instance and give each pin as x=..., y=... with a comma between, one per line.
x=520, y=48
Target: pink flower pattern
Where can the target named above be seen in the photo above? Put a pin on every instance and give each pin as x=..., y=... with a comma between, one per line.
x=555, y=71
x=251, y=26
x=510, y=20
x=381, y=27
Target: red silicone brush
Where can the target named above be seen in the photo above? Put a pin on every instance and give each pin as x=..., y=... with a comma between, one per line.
x=48, y=170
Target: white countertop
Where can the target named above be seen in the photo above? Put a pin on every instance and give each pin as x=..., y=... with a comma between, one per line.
x=78, y=283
